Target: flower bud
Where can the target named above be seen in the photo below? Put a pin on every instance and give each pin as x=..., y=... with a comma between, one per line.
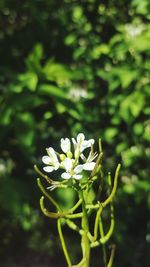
x=62, y=157
x=69, y=154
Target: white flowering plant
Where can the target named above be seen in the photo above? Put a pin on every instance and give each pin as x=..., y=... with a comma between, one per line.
x=77, y=157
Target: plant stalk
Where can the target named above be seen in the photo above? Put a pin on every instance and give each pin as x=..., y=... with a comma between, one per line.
x=85, y=244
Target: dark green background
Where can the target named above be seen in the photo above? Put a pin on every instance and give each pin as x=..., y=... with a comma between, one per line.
x=68, y=67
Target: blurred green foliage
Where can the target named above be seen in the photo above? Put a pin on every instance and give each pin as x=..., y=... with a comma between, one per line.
x=68, y=67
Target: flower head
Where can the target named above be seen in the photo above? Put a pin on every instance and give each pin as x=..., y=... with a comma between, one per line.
x=81, y=144
x=73, y=163
x=51, y=160
x=71, y=170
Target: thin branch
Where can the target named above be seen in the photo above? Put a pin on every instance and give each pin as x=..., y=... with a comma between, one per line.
x=47, y=195
x=80, y=264
x=73, y=226
x=110, y=263
x=103, y=245
x=97, y=165
x=63, y=243
x=100, y=145
x=106, y=202
x=75, y=206
x=50, y=181
x=106, y=237
x=109, y=199
x=59, y=214
x=47, y=213
x=73, y=216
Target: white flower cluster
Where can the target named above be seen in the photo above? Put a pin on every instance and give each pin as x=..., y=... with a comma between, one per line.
x=69, y=161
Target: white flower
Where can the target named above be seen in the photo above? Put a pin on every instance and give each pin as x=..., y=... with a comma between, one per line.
x=65, y=145
x=81, y=144
x=76, y=93
x=71, y=172
x=89, y=166
x=90, y=158
x=69, y=161
x=134, y=30
x=67, y=164
x=89, y=163
x=51, y=160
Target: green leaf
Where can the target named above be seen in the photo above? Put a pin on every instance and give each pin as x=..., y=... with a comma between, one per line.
x=56, y=72
x=25, y=132
x=33, y=61
x=138, y=128
x=5, y=115
x=99, y=50
x=28, y=80
x=131, y=106
x=110, y=133
x=51, y=90
x=77, y=13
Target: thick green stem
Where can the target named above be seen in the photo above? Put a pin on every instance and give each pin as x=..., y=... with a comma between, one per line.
x=85, y=244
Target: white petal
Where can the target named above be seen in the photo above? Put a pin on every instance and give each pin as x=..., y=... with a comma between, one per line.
x=77, y=176
x=48, y=169
x=51, y=150
x=89, y=166
x=68, y=164
x=87, y=143
x=80, y=137
x=56, y=166
x=66, y=175
x=65, y=145
x=91, y=141
x=73, y=141
x=46, y=159
x=78, y=169
x=52, y=154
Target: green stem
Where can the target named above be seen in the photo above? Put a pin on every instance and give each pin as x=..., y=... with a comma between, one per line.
x=85, y=244
x=47, y=195
x=109, y=199
x=80, y=264
x=110, y=263
x=98, y=161
x=73, y=216
x=47, y=213
x=103, y=245
x=100, y=145
x=97, y=222
x=75, y=206
x=59, y=214
x=50, y=181
x=73, y=226
x=106, y=237
x=106, y=202
x=63, y=243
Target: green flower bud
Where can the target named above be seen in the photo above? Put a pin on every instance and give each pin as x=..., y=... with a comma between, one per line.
x=69, y=155
x=62, y=157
